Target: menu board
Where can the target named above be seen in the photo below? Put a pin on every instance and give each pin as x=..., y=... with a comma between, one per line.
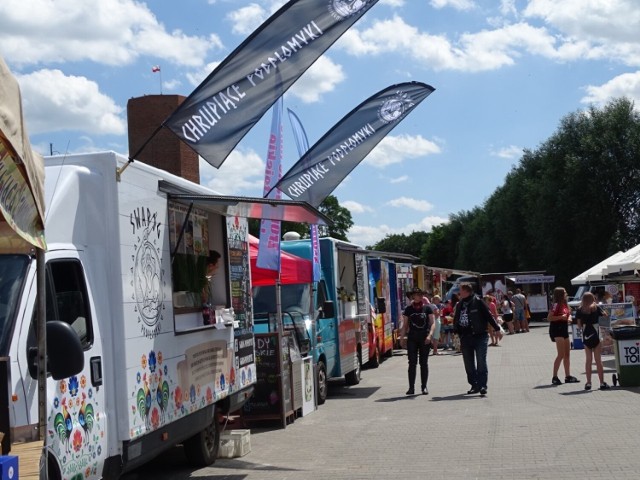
x=195, y=238
x=239, y=274
x=618, y=314
x=272, y=365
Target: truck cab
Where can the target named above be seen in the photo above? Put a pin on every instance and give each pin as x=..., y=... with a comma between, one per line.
x=340, y=310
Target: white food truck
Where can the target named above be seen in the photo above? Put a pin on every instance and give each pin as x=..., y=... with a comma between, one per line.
x=124, y=266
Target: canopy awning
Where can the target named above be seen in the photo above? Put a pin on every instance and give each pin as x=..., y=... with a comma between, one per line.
x=595, y=273
x=250, y=207
x=627, y=263
x=21, y=171
x=293, y=269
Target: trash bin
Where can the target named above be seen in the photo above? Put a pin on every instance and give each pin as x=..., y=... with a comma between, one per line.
x=627, y=355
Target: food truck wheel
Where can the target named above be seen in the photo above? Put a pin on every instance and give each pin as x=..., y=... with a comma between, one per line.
x=353, y=377
x=202, y=449
x=614, y=380
x=322, y=382
x=375, y=360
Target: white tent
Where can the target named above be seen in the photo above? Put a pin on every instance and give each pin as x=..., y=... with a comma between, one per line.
x=627, y=264
x=596, y=273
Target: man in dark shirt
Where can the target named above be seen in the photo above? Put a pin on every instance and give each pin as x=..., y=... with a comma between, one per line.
x=470, y=322
x=419, y=321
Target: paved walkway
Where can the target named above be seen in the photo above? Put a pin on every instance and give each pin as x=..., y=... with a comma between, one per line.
x=524, y=428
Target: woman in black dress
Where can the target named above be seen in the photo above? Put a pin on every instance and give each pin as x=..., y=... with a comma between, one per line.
x=587, y=316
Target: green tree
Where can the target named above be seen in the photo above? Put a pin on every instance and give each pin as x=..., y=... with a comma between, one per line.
x=400, y=243
x=340, y=216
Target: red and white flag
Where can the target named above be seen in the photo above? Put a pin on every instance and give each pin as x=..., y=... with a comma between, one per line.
x=155, y=68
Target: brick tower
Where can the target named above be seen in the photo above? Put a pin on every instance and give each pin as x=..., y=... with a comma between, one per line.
x=165, y=151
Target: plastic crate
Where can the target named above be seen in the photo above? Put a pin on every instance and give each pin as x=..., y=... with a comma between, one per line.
x=234, y=443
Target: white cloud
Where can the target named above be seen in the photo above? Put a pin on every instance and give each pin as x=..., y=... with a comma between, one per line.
x=393, y=3
x=593, y=29
x=112, y=32
x=508, y=7
x=510, y=152
x=424, y=225
x=241, y=173
x=369, y=235
x=400, y=179
x=355, y=207
x=412, y=203
x=396, y=149
x=247, y=19
x=627, y=84
x=171, y=85
x=55, y=102
x=322, y=77
x=195, y=78
x=456, y=4
x=570, y=31
x=473, y=52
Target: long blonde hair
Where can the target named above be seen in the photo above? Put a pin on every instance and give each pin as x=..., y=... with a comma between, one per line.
x=588, y=302
x=560, y=296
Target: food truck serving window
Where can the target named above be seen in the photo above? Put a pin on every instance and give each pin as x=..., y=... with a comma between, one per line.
x=195, y=236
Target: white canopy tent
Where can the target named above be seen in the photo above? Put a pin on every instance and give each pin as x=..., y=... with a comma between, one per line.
x=627, y=264
x=596, y=273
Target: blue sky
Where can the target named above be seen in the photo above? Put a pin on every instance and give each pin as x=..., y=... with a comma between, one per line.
x=505, y=73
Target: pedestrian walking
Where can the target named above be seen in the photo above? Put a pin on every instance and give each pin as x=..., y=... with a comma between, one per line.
x=470, y=321
x=506, y=308
x=436, y=307
x=587, y=316
x=559, y=319
x=519, y=316
x=418, y=319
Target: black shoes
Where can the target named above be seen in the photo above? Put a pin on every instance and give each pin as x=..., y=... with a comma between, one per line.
x=482, y=391
x=410, y=391
x=571, y=379
x=604, y=386
x=556, y=381
x=587, y=386
x=425, y=391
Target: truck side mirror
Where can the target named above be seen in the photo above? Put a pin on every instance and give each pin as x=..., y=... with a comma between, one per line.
x=328, y=309
x=65, y=356
x=381, y=305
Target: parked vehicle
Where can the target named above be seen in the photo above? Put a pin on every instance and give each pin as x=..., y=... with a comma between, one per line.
x=341, y=310
x=382, y=282
x=125, y=272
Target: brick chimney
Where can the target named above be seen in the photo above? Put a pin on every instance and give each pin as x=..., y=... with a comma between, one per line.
x=165, y=150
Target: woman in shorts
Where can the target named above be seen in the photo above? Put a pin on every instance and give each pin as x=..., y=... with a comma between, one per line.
x=587, y=315
x=559, y=319
x=506, y=308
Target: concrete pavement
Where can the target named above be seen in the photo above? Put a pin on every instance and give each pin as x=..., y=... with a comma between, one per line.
x=524, y=428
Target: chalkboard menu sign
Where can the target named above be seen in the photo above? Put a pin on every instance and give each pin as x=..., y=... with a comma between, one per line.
x=272, y=365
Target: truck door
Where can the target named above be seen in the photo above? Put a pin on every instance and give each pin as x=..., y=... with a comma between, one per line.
x=76, y=430
x=327, y=332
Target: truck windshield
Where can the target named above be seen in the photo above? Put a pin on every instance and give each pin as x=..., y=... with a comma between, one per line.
x=13, y=270
x=294, y=298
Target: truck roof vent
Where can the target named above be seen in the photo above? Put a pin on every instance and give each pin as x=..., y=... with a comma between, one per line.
x=291, y=236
